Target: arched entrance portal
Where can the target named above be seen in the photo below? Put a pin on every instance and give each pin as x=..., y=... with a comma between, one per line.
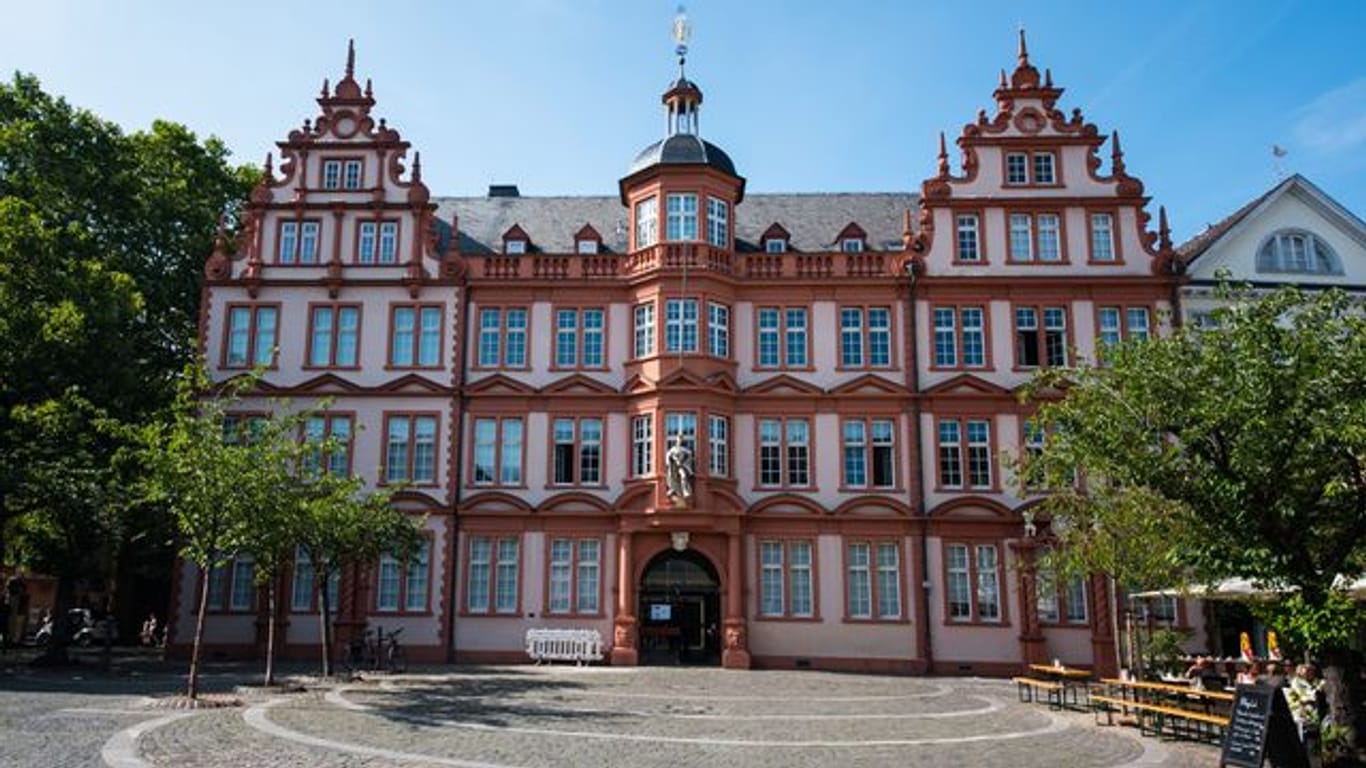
x=680, y=610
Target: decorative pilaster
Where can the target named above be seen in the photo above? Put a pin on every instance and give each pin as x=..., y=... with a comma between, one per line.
x=735, y=632
x=1033, y=647
x=624, y=650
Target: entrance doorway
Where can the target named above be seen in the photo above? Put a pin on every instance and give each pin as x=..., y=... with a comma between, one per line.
x=680, y=610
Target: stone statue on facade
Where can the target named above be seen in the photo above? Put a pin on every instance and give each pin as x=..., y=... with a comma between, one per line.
x=679, y=472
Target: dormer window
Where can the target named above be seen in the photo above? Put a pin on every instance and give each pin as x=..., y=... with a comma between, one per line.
x=587, y=241
x=851, y=245
x=1297, y=251
x=775, y=245
x=852, y=239
x=516, y=241
x=514, y=247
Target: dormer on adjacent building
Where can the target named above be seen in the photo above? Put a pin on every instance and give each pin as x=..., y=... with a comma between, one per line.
x=1031, y=199
x=1293, y=234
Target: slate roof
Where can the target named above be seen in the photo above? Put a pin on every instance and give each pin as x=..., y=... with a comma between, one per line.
x=683, y=149
x=814, y=220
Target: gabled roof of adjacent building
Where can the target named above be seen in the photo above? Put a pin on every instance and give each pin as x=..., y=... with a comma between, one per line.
x=1197, y=246
x=813, y=220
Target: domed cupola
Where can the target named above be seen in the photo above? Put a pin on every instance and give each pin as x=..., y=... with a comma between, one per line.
x=682, y=144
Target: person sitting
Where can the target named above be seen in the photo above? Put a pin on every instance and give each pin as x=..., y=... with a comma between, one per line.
x=1248, y=673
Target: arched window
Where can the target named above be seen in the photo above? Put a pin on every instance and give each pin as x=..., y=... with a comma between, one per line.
x=1297, y=251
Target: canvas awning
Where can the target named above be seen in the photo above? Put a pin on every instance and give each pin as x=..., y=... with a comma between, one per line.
x=1244, y=589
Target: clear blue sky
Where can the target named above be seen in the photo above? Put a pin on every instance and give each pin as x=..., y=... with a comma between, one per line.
x=558, y=95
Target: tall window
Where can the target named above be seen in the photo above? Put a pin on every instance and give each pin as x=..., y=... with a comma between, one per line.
x=251, y=336
x=335, y=430
x=644, y=330
x=647, y=222
x=333, y=335
x=642, y=445
x=415, y=336
x=680, y=325
x=958, y=328
x=718, y=228
x=953, y=463
x=304, y=585
x=1050, y=248
x=231, y=585
x=969, y=237
x=404, y=585
x=974, y=582
x=782, y=337
x=785, y=579
x=784, y=452
x=410, y=448
x=577, y=451
x=869, y=459
x=502, y=337
x=1032, y=347
x=1075, y=607
x=718, y=445
x=575, y=576
x=873, y=580
x=377, y=242
x=869, y=330
x=491, y=580
x=718, y=329
x=298, y=242
x=681, y=224
x=1111, y=329
x=497, y=451
x=1021, y=237
x=579, y=338
x=1102, y=237
x=1116, y=324
x=683, y=423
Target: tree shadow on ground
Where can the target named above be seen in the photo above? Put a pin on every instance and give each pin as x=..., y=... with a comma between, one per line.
x=493, y=698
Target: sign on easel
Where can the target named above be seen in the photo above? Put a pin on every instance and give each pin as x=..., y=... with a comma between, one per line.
x=1260, y=727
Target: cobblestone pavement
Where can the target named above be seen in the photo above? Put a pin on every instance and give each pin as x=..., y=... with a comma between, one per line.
x=533, y=717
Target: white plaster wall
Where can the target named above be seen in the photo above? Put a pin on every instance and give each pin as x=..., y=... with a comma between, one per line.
x=1071, y=646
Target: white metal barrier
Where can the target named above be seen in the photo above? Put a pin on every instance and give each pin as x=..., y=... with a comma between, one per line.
x=578, y=645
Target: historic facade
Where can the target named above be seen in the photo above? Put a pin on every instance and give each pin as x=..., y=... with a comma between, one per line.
x=717, y=427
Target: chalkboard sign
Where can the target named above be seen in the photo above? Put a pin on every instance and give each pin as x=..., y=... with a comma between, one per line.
x=1259, y=727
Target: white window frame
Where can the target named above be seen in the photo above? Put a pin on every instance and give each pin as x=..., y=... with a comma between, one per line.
x=642, y=445
x=680, y=210
x=647, y=222
x=718, y=330
x=718, y=222
x=968, y=240
x=1102, y=237
x=644, y=327
x=718, y=445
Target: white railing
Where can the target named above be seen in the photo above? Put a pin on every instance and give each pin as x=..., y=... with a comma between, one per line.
x=578, y=645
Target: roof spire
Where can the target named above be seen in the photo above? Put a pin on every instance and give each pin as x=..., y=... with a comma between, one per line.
x=1116, y=155
x=351, y=57
x=1003, y=77
x=943, y=157
x=1164, y=232
x=369, y=92
x=417, y=167
x=269, y=168
x=325, y=88
x=1024, y=49
x=682, y=32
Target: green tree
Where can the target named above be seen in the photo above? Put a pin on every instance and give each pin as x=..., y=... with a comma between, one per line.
x=344, y=524
x=1233, y=451
x=201, y=470
x=102, y=240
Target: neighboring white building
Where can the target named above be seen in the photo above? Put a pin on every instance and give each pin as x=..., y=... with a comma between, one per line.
x=1294, y=234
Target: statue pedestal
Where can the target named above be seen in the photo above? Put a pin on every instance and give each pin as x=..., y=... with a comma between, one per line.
x=736, y=658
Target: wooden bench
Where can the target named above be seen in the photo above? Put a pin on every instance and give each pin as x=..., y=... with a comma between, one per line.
x=1029, y=687
x=1159, y=713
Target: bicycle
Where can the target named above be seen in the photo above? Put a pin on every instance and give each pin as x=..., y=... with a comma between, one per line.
x=359, y=654
x=395, y=659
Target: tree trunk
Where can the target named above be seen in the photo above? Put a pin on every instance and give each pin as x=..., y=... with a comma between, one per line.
x=1112, y=596
x=1340, y=676
x=192, y=687
x=325, y=615
x=270, y=633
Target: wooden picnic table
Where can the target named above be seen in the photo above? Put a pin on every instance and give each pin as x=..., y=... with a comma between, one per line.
x=1164, y=701
x=1169, y=689
x=1061, y=673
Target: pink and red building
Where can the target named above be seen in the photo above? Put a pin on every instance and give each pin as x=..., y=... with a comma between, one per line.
x=843, y=369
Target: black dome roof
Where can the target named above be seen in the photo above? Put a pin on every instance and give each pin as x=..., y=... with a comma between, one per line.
x=683, y=149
